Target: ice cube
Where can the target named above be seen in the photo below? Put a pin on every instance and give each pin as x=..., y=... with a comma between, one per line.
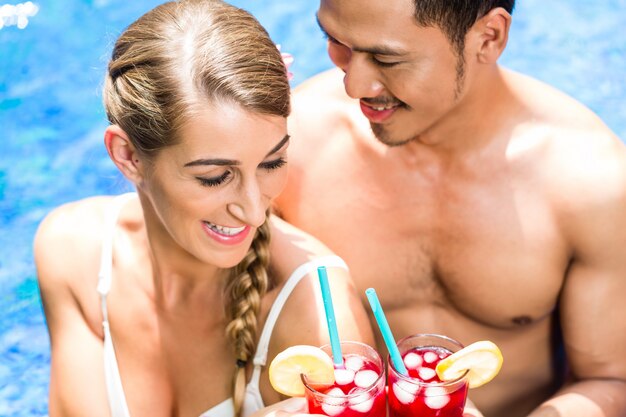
x=412, y=360
x=332, y=410
x=337, y=395
x=430, y=357
x=344, y=376
x=361, y=403
x=436, y=397
x=365, y=378
x=333, y=404
x=426, y=373
x=405, y=391
x=354, y=362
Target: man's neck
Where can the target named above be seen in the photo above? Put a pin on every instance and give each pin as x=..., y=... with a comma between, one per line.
x=475, y=123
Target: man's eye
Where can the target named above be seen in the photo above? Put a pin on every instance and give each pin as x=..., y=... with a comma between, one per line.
x=383, y=63
x=214, y=181
x=271, y=165
x=329, y=38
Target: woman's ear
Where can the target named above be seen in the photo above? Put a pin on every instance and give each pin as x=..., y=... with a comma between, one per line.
x=123, y=153
x=492, y=34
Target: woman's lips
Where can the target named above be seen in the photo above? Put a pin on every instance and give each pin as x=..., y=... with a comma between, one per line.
x=226, y=235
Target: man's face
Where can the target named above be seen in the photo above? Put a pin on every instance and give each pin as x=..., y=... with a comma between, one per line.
x=406, y=77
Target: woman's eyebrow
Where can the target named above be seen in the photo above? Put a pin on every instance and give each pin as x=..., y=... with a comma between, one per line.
x=230, y=162
x=279, y=145
x=212, y=161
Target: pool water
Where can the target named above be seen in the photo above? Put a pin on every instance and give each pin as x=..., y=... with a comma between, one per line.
x=51, y=124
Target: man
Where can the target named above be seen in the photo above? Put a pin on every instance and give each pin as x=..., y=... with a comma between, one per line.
x=480, y=203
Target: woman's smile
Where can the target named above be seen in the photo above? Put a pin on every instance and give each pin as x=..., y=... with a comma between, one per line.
x=226, y=235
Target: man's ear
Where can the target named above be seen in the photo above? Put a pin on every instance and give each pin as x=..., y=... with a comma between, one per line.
x=123, y=153
x=492, y=34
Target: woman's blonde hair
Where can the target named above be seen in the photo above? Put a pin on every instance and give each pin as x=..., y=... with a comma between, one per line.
x=164, y=68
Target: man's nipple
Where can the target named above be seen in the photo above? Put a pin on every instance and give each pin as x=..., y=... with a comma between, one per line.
x=522, y=320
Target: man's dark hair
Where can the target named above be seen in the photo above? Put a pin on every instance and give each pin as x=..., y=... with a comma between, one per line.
x=456, y=17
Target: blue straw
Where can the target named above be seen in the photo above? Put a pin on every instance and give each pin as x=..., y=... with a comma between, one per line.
x=330, y=317
x=379, y=314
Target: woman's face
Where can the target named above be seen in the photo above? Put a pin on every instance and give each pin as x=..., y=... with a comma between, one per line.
x=210, y=192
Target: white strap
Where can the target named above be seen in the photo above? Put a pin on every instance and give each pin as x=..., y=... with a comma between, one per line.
x=260, y=358
x=224, y=409
x=115, y=391
x=106, y=255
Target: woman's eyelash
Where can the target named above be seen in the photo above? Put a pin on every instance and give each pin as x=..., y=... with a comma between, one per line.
x=215, y=181
x=273, y=164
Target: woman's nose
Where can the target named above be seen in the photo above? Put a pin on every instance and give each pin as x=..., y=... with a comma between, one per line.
x=249, y=205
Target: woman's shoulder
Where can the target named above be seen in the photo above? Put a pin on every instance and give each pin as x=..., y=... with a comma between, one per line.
x=88, y=207
x=302, y=318
x=301, y=321
x=72, y=222
x=68, y=239
x=291, y=247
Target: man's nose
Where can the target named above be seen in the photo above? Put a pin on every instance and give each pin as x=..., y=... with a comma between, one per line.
x=360, y=79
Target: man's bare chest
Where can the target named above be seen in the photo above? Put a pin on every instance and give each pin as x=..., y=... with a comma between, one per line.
x=492, y=258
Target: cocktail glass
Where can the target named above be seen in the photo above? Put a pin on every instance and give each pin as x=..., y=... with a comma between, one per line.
x=422, y=393
x=359, y=387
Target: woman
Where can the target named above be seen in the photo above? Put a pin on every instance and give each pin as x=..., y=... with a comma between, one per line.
x=172, y=286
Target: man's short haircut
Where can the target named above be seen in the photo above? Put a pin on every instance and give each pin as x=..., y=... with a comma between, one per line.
x=456, y=17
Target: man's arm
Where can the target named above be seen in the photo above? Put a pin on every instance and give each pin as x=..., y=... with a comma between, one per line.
x=593, y=299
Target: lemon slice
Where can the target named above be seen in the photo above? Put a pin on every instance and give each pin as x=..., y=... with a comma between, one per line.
x=482, y=361
x=288, y=365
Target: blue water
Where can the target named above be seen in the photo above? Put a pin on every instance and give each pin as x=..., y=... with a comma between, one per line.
x=51, y=124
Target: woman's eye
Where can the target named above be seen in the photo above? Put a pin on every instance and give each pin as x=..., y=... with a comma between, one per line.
x=214, y=181
x=270, y=165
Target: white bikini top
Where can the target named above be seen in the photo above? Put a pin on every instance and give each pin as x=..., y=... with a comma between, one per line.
x=252, y=400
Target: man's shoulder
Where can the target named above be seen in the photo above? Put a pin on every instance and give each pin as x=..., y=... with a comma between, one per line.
x=326, y=125
x=595, y=157
x=563, y=135
x=582, y=167
x=321, y=110
x=564, y=151
x=328, y=83
x=547, y=105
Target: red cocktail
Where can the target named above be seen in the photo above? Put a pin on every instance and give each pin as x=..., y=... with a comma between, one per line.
x=359, y=387
x=422, y=393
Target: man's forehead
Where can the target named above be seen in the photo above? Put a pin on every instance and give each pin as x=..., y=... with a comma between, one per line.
x=367, y=10
x=366, y=26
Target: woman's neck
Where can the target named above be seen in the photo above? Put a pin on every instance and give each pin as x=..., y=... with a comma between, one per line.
x=181, y=282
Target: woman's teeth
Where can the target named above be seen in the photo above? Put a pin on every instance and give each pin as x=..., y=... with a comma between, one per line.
x=223, y=230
